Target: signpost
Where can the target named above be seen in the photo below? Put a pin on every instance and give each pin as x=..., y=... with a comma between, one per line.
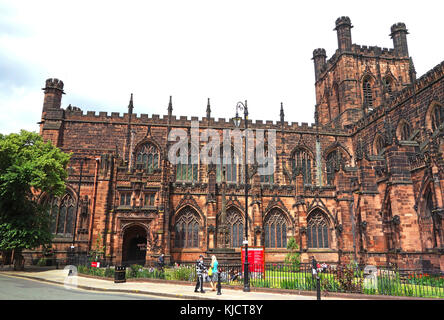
x=256, y=260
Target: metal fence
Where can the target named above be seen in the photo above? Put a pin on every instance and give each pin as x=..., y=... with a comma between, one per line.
x=333, y=278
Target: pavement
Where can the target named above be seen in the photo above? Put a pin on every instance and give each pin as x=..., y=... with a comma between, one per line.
x=161, y=288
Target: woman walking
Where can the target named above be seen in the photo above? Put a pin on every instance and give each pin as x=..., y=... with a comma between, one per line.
x=214, y=273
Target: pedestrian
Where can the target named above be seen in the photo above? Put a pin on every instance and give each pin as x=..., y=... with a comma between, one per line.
x=200, y=270
x=213, y=272
x=161, y=262
x=314, y=265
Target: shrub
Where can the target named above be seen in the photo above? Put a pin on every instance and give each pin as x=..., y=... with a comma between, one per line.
x=183, y=273
x=293, y=256
x=134, y=270
x=109, y=273
x=41, y=262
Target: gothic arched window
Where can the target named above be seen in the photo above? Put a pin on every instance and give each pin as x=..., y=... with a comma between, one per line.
x=368, y=95
x=301, y=163
x=62, y=215
x=379, y=145
x=275, y=230
x=236, y=225
x=437, y=117
x=429, y=204
x=333, y=161
x=338, y=98
x=187, y=229
x=405, y=131
x=317, y=231
x=147, y=158
x=389, y=86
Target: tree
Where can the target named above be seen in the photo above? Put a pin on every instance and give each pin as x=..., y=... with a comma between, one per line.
x=293, y=256
x=29, y=167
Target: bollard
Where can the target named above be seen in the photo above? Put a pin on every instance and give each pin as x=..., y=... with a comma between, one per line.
x=318, y=288
x=218, y=285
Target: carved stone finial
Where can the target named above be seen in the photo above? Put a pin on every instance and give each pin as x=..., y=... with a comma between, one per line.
x=208, y=109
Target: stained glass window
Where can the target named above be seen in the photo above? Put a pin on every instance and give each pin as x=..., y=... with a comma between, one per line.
x=317, y=231
x=147, y=158
x=276, y=230
x=62, y=215
x=235, y=222
x=301, y=163
x=187, y=229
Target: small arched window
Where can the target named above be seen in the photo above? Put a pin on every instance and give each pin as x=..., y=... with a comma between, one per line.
x=147, y=158
x=368, y=94
x=333, y=161
x=405, y=131
x=276, y=230
x=437, y=117
x=389, y=86
x=187, y=229
x=317, y=230
x=301, y=163
x=379, y=145
x=338, y=98
x=428, y=204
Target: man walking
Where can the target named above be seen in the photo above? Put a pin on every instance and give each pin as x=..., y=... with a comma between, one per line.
x=200, y=270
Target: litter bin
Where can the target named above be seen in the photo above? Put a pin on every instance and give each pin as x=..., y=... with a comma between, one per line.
x=120, y=274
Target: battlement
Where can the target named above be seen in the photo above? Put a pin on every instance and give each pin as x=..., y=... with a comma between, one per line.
x=397, y=27
x=319, y=52
x=73, y=113
x=53, y=83
x=343, y=21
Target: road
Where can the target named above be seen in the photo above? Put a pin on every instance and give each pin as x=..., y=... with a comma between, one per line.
x=14, y=288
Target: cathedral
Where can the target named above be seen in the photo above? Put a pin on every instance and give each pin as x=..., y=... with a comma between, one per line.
x=364, y=182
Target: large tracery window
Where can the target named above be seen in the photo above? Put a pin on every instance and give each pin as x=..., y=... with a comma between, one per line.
x=62, y=215
x=187, y=229
x=276, y=230
x=147, y=158
x=301, y=163
x=368, y=95
x=236, y=225
x=317, y=231
x=437, y=117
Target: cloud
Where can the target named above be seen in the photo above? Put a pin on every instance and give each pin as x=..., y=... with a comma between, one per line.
x=236, y=50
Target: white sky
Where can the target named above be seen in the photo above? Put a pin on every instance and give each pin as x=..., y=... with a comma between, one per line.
x=227, y=50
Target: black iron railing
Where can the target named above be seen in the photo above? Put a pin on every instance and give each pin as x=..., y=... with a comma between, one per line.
x=333, y=278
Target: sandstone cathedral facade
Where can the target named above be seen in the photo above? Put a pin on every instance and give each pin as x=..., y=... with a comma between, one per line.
x=364, y=182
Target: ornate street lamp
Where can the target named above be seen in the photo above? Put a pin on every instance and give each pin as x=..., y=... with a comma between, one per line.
x=237, y=121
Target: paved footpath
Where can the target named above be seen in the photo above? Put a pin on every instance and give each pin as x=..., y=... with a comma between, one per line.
x=181, y=291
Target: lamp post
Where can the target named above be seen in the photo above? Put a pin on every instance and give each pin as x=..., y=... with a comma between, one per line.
x=237, y=121
x=82, y=160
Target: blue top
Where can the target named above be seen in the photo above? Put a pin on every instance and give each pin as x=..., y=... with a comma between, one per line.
x=215, y=266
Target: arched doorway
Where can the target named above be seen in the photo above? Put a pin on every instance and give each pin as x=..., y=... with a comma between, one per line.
x=134, y=245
